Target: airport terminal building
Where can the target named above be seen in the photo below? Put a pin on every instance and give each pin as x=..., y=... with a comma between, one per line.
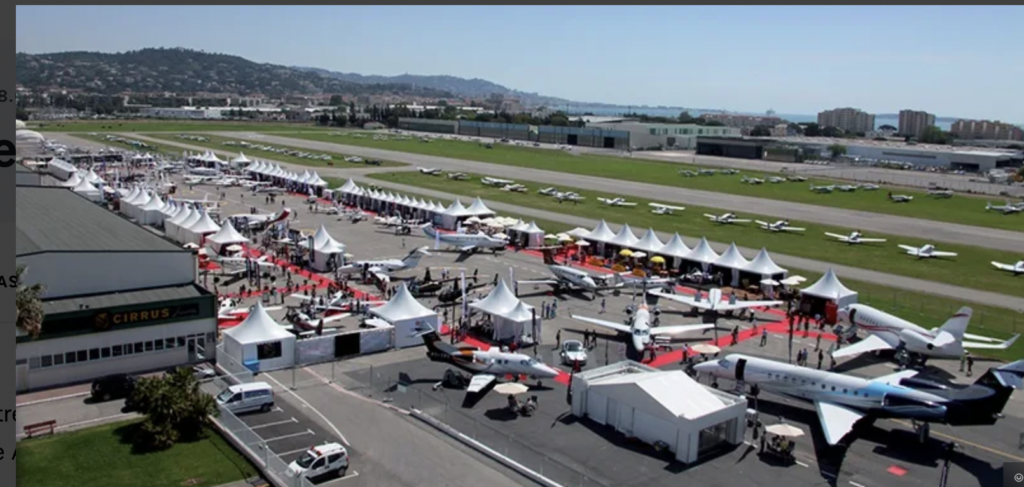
x=116, y=298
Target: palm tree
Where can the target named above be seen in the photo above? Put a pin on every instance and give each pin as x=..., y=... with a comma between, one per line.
x=28, y=306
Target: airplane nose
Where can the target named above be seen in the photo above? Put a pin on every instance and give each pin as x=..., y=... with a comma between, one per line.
x=548, y=371
x=706, y=367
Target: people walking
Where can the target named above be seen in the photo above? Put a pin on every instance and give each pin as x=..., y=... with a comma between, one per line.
x=821, y=358
x=963, y=360
x=602, y=305
x=970, y=364
x=764, y=336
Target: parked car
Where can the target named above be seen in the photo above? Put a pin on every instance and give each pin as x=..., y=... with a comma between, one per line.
x=320, y=461
x=573, y=352
x=115, y=386
x=242, y=398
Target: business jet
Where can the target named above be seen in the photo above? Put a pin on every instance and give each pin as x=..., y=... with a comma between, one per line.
x=797, y=179
x=926, y=251
x=515, y=188
x=779, y=226
x=565, y=278
x=465, y=242
x=868, y=187
x=326, y=209
x=616, y=202
x=549, y=191
x=394, y=221
x=383, y=268
x=846, y=188
x=485, y=365
x=712, y=301
x=237, y=265
x=458, y=176
x=900, y=198
x=569, y=196
x=229, y=310
x=261, y=220
x=854, y=238
x=200, y=180
x=337, y=302
x=941, y=193
x=638, y=327
x=311, y=322
x=747, y=180
x=776, y=180
x=204, y=171
x=822, y=189
x=687, y=173
x=888, y=332
x=725, y=219
x=1007, y=209
x=660, y=209
x=429, y=171
x=842, y=400
x=633, y=281
x=1017, y=269
x=496, y=182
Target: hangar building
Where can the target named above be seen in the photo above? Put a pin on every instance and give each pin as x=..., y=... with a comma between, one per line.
x=116, y=297
x=648, y=136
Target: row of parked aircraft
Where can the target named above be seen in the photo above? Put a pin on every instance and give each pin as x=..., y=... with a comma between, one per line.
x=706, y=172
x=1006, y=209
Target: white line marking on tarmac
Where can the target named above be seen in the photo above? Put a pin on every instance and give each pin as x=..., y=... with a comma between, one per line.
x=51, y=399
x=275, y=423
x=318, y=413
x=829, y=475
x=855, y=484
x=802, y=464
x=293, y=435
x=277, y=409
x=300, y=450
x=88, y=421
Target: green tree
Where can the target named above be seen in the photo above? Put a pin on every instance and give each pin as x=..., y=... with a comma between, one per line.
x=831, y=132
x=760, y=131
x=934, y=135
x=27, y=304
x=176, y=409
x=685, y=117
x=837, y=150
x=336, y=101
x=21, y=114
x=811, y=129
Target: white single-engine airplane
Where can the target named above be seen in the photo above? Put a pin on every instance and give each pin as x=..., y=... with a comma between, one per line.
x=1006, y=209
x=549, y=191
x=725, y=219
x=776, y=180
x=515, y=188
x=797, y=179
x=496, y=182
x=638, y=327
x=382, y=269
x=842, y=400
x=458, y=176
x=660, y=209
x=747, y=180
x=900, y=198
x=854, y=238
x=687, y=173
x=888, y=332
x=926, y=251
x=779, y=226
x=712, y=301
x=569, y=278
x=429, y=171
x=465, y=242
x=822, y=189
x=569, y=196
x=263, y=219
x=236, y=265
x=1017, y=269
x=941, y=193
x=868, y=187
x=616, y=202
x=485, y=365
x=847, y=188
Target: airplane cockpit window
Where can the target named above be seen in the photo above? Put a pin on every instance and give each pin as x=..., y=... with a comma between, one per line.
x=640, y=332
x=724, y=363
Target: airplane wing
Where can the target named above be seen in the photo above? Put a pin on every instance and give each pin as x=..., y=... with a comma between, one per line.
x=380, y=273
x=836, y=421
x=626, y=203
x=480, y=381
x=843, y=238
x=677, y=329
x=467, y=248
x=869, y=344
x=895, y=378
x=549, y=282
x=607, y=324
x=713, y=217
x=793, y=229
x=763, y=224
x=1004, y=267
x=936, y=253
x=989, y=346
x=687, y=300
x=725, y=306
x=739, y=221
x=336, y=317
x=912, y=250
x=873, y=240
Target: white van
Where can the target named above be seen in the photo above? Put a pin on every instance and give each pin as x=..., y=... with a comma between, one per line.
x=319, y=461
x=242, y=398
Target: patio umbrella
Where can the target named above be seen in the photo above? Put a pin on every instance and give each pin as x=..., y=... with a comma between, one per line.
x=472, y=219
x=582, y=243
x=511, y=389
x=705, y=348
x=794, y=280
x=637, y=255
x=565, y=238
x=550, y=237
x=783, y=429
x=657, y=259
x=625, y=252
x=770, y=282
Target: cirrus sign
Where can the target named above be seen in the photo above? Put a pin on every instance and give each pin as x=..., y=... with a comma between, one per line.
x=7, y=153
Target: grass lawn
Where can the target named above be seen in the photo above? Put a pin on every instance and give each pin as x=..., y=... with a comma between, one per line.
x=154, y=148
x=103, y=457
x=168, y=126
x=217, y=143
x=971, y=268
x=924, y=309
x=959, y=209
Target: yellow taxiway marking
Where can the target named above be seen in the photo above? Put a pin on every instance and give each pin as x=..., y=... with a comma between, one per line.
x=965, y=442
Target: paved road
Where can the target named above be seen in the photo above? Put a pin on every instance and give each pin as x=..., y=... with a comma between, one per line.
x=899, y=282
x=865, y=221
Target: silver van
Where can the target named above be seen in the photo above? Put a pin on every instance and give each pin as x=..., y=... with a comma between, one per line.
x=243, y=398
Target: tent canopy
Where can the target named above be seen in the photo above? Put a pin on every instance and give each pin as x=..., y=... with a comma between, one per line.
x=258, y=328
x=703, y=253
x=85, y=187
x=732, y=259
x=457, y=210
x=478, y=208
x=650, y=242
x=601, y=233
x=828, y=287
x=675, y=247
x=499, y=301
x=324, y=243
x=402, y=307
x=532, y=229
x=204, y=225
x=672, y=392
x=625, y=237
x=764, y=265
x=227, y=235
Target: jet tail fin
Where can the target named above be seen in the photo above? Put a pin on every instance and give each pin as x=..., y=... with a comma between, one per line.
x=956, y=325
x=435, y=344
x=1010, y=376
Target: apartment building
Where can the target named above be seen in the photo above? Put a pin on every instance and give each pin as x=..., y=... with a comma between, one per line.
x=913, y=122
x=986, y=130
x=850, y=120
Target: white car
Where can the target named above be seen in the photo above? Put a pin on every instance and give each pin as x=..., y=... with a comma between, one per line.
x=319, y=461
x=573, y=352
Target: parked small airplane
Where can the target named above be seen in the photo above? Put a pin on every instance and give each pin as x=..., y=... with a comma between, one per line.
x=776, y=180
x=660, y=209
x=900, y=198
x=868, y=187
x=797, y=179
x=847, y=188
x=383, y=268
x=568, y=278
x=729, y=171
x=458, y=176
x=687, y=173
x=496, y=182
x=549, y=191
x=237, y=265
x=200, y=180
x=569, y=196
x=229, y=310
x=394, y=221
x=465, y=242
x=638, y=327
x=616, y=202
x=262, y=220
x=326, y=209
x=1006, y=209
x=779, y=226
x=747, y=180
x=822, y=189
x=842, y=400
x=430, y=171
x=204, y=171
x=712, y=301
x=1017, y=269
x=888, y=332
x=485, y=365
x=707, y=172
x=854, y=238
x=515, y=188
x=941, y=193
x=725, y=219
x=926, y=251
x=633, y=281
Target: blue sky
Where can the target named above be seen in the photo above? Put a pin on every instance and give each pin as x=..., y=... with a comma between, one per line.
x=953, y=61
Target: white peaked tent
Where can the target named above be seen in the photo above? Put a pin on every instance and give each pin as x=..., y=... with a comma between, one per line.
x=253, y=167
x=150, y=213
x=134, y=193
x=304, y=177
x=498, y=301
x=92, y=177
x=260, y=343
x=625, y=238
x=240, y=160
x=408, y=316
x=175, y=210
x=578, y=232
x=349, y=186
x=181, y=233
x=72, y=181
x=451, y=215
x=829, y=288
x=135, y=206
x=85, y=188
x=534, y=235
x=201, y=228
x=509, y=314
x=765, y=267
x=733, y=261
x=326, y=248
x=601, y=233
x=227, y=235
x=516, y=322
x=650, y=243
x=172, y=224
x=676, y=249
x=169, y=209
x=478, y=208
x=703, y=254
x=316, y=180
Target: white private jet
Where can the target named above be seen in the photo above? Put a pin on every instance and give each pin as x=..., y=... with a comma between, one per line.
x=888, y=332
x=712, y=301
x=747, y=180
x=200, y=180
x=1006, y=209
x=458, y=176
x=326, y=209
x=779, y=226
x=237, y=265
x=337, y=302
x=229, y=310
x=868, y=187
x=496, y=182
x=725, y=219
x=854, y=238
x=638, y=327
x=776, y=180
x=616, y=202
x=847, y=188
x=549, y=191
x=1017, y=269
x=729, y=171
x=926, y=251
x=204, y=171
x=485, y=365
x=660, y=209
x=822, y=189
x=465, y=242
x=842, y=400
x=262, y=219
x=429, y=171
x=394, y=221
x=515, y=188
x=900, y=198
x=383, y=269
x=941, y=193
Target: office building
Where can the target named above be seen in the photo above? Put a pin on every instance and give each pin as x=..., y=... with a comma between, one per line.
x=913, y=122
x=849, y=120
x=986, y=130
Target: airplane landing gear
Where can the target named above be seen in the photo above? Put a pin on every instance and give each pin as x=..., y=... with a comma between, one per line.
x=923, y=431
